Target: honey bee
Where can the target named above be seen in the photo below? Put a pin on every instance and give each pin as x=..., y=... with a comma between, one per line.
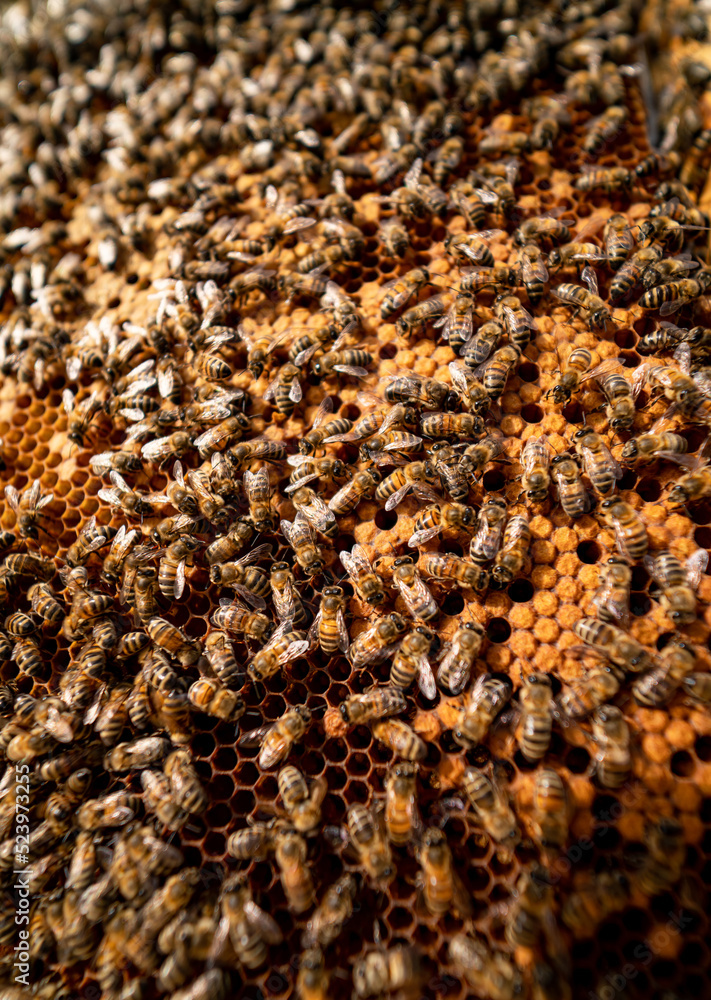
x=462, y=573
x=374, y=703
x=678, y=583
x=484, y=702
x=366, y=831
x=323, y=428
x=290, y=855
x=511, y=559
x=662, y=230
x=620, y=409
x=157, y=797
x=526, y=920
x=124, y=498
x=301, y=803
x=80, y=415
x=442, y=889
x=138, y=754
x=659, y=685
x=312, y=980
x=534, y=730
x=471, y=248
x=116, y=809
x=534, y=273
x=467, y=382
x=305, y=347
x=611, y=642
x=401, y=816
x=630, y=532
x=328, y=255
x=546, y=230
x=612, y=599
x=535, y=459
x=171, y=574
x=432, y=308
x=612, y=737
x=217, y=438
x=587, y=299
x=458, y=324
x=666, y=853
x=351, y=362
x=631, y=272
x=362, y=486
x=468, y=202
x=606, y=179
x=577, y=364
x=170, y=638
x=491, y=806
x=28, y=508
x=394, y=237
x=376, y=643
x=287, y=602
x=367, y=583
x=248, y=581
x=122, y=461
x=550, y=810
x=604, y=128
x=400, y=738
x=207, y=694
x=300, y=537
x=283, y=646
x=489, y=974
x=90, y=539
x=329, y=626
x=419, y=391
x=573, y=496
x=437, y=518
x=229, y=545
x=401, y=290
x=667, y=269
x=411, y=662
x=675, y=294
x=285, y=390
x=618, y=240
x=276, y=739
x=258, y=493
x=327, y=921
x=313, y=508
x=234, y=617
x=185, y=785
x=601, y=468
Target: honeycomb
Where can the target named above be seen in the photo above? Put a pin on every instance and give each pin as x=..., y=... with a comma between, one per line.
x=141, y=143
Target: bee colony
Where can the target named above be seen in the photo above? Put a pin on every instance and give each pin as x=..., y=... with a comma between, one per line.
x=354, y=419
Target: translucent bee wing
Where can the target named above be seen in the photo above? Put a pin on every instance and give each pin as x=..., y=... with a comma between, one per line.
x=110, y=496
x=590, y=279
x=284, y=604
x=411, y=179
x=321, y=516
x=253, y=599
x=667, y=308
x=12, y=497
x=425, y=493
x=682, y=355
x=397, y=497
x=426, y=679
x=696, y=565
x=68, y=400
x=255, y=736
x=266, y=926
x=459, y=374
x=296, y=225
x=295, y=392
x=132, y=413
x=261, y=552
x=294, y=650
x=179, y=584
x=352, y=370
x=287, y=530
x=312, y=634
x=301, y=482
x=689, y=462
x=420, y=537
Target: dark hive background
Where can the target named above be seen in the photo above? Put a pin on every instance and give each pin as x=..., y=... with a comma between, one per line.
x=99, y=102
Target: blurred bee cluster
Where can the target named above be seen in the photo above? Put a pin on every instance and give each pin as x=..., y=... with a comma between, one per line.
x=355, y=323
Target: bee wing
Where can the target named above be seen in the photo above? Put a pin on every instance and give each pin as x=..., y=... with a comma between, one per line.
x=269, y=391
x=411, y=179
x=294, y=650
x=261, y=552
x=353, y=370
x=426, y=679
x=297, y=224
x=425, y=493
x=68, y=400
x=358, y=559
x=295, y=392
x=536, y=450
x=696, y=565
x=255, y=736
x=266, y=926
x=590, y=279
x=313, y=630
x=458, y=370
x=110, y=496
x=398, y=496
x=119, y=482
x=682, y=355
x=57, y=726
x=343, y=636
x=12, y=497
x=284, y=604
x=667, y=308
x=179, y=584
x=253, y=599
x=418, y=538
x=533, y=269
x=301, y=482
x=157, y=449
x=615, y=604
x=303, y=357
x=689, y=462
x=321, y=516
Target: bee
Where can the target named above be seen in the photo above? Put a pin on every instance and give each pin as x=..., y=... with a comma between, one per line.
x=598, y=315
x=458, y=324
x=207, y=694
x=300, y=537
x=347, y=362
x=116, y=809
x=227, y=546
x=283, y=646
x=287, y=602
x=375, y=703
x=618, y=241
x=124, y=498
x=394, y=237
x=620, y=409
x=471, y=248
x=550, y=809
x=597, y=687
x=474, y=279
x=366, y=831
x=659, y=164
x=665, y=270
x=480, y=346
x=90, y=539
x=28, y=508
x=573, y=496
x=489, y=532
x=484, y=702
x=376, y=643
x=302, y=804
x=488, y=973
x=612, y=599
x=220, y=436
x=368, y=584
x=431, y=308
x=546, y=231
x=285, y=390
x=661, y=230
x=171, y=574
x=399, y=291
x=534, y=273
x=612, y=737
x=446, y=461
x=491, y=806
x=693, y=486
x=411, y=662
x=631, y=273
x=408, y=201
x=535, y=459
x=327, y=921
x=400, y=738
x=234, y=617
x=305, y=347
x=672, y=296
x=248, y=581
x=609, y=180
x=420, y=391
x=276, y=739
x=290, y=855
x=630, y=532
x=329, y=626
x=587, y=907
x=677, y=582
x=666, y=853
x=534, y=731
x=328, y=255
x=698, y=687
x=158, y=799
x=258, y=493
x=462, y=573
x=692, y=173
x=436, y=518
x=658, y=686
x=323, y=428
x=170, y=638
x=312, y=980
x=313, y=508
x=185, y=785
x=362, y=486
x=80, y=415
x=497, y=370
x=442, y=889
x=210, y=506
x=620, y=649
x=122, y=461
x=604, y=128
x=138, y=754
x=456, y=665
x=467, y=201
x=473, y=392
x=378, y=972
x=601, y=468
x=401, y=816
x=577, y=364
